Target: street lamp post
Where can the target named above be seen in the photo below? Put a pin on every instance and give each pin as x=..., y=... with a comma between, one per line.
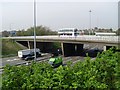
x=90, y=21
x=34, y=30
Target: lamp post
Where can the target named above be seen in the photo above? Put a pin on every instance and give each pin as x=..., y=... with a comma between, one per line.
x=90, y=21
x=34, y=30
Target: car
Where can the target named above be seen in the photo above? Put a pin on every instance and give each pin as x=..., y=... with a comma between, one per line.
x=29, y=58
x=28, y=53
x=55, y=60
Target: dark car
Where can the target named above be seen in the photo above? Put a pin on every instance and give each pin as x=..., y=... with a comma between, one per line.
x=29, y=58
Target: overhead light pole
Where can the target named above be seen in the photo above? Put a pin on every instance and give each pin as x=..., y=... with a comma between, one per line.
x=34, y=30
x=90, y=21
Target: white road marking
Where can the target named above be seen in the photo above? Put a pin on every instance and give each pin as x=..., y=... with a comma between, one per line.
x=13, y=59
x=8, y=60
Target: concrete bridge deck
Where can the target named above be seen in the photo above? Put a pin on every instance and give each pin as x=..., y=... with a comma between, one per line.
x=83, y=39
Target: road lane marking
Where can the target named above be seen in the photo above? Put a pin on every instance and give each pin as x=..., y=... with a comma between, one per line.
x=12, y=60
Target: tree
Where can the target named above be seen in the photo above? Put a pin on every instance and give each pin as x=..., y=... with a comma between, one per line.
x=118, y=32
x=5, y=34
x=111, y=30
x=95, y=28
x=40, y=31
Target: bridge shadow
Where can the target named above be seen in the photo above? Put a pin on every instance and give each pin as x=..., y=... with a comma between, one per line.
x=87, y=52
x=84, y=53
x=91, y=52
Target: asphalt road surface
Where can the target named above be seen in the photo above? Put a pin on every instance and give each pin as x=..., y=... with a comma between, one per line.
x=15, y=60
x=45, y=57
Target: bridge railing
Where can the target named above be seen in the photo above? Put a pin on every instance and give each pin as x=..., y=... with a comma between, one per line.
x=100, y=38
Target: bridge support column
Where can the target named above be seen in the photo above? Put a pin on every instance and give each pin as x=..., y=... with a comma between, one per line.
x=29, y=45
x=68, y=49
x=106, y=47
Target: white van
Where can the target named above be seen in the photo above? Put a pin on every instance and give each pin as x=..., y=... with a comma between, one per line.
x=24, y=54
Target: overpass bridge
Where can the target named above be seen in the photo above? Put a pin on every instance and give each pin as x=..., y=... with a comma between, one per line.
x=69, y=44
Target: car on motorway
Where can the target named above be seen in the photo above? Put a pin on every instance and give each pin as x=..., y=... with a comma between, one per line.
x=29, y=58
x=55, y=60
x=28, y=54
x=93, y=52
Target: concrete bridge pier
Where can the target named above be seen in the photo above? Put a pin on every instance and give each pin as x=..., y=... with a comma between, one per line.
x=107, y=47
x=69, y=49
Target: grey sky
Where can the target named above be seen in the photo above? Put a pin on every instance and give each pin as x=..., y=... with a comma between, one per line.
x=55, y=15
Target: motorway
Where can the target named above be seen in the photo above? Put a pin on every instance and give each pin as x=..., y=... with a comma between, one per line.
x=17, y=61
x=45, y=57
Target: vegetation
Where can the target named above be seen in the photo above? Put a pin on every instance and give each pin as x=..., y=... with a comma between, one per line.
x=40, y=31
x=102, y=73
x=5, y=34
x=118, y=32
x=10, y=47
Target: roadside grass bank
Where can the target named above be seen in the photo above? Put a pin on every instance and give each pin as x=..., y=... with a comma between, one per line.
x=10, y=48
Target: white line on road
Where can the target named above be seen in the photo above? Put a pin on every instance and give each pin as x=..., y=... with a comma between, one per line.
x=12, y=60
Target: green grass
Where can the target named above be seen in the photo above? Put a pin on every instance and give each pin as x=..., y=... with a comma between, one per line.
x=10, y=47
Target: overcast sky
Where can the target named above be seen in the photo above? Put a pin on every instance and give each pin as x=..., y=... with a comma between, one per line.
x=55, y=15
